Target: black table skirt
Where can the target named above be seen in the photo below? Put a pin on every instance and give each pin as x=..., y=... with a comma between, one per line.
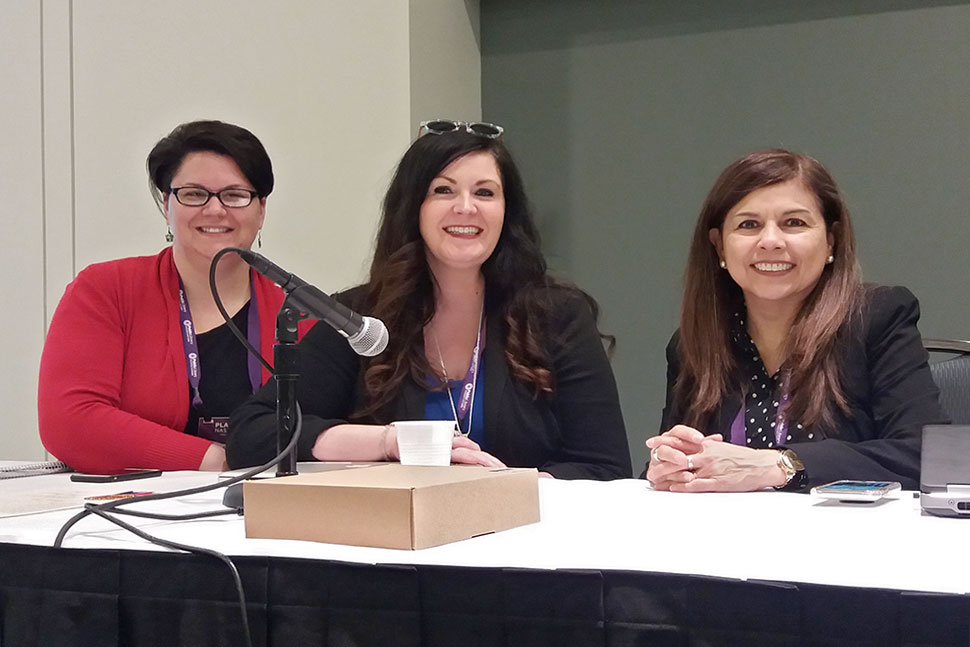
x=100, y=598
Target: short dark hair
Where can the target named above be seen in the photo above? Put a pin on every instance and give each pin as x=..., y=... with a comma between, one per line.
x=212, y=136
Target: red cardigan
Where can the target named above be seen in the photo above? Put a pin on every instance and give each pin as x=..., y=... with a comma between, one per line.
x=113, y=389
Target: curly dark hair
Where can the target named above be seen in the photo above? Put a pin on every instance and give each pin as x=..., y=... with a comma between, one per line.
x=400, y=290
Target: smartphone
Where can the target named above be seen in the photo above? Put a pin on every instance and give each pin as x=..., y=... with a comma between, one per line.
x=127, y=475
x=862, y=491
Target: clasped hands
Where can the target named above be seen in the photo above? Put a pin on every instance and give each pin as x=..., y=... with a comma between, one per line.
x=683, y=459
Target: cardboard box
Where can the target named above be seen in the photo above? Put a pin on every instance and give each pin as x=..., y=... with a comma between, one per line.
x=392, y=506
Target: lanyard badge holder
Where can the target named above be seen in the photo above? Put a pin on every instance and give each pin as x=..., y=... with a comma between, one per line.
x=215, y=428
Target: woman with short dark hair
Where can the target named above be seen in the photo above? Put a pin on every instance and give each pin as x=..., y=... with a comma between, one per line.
x=479, y=332
x=787, y=371
x=138, y=368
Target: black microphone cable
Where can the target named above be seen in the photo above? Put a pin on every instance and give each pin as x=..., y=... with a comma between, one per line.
x=225, y=315
x=110, y=509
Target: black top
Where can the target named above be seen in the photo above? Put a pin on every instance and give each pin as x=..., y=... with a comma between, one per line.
x=224, y=384
x=891, y=394
x=577, y=432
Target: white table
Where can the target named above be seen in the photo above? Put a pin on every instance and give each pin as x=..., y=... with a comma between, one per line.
x=620, y=525
x=586, y=525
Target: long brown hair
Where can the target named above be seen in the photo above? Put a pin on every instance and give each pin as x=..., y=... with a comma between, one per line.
x=400, y=290
x=711, y=297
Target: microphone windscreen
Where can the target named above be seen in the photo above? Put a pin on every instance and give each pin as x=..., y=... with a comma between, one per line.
x=372, y=338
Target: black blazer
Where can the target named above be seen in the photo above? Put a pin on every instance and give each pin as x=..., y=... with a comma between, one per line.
x=891, y=395
x=577, y=432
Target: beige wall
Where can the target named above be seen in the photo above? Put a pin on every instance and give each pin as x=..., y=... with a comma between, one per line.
x=21, y=197
x=447, y=86
x=91, y=86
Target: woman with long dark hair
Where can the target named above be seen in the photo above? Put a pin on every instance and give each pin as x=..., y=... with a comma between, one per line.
x=479, y=332
x=787, y=371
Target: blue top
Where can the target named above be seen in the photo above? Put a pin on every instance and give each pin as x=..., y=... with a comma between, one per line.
x=437, y=406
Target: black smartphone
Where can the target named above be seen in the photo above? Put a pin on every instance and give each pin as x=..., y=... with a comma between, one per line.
x=127, y=475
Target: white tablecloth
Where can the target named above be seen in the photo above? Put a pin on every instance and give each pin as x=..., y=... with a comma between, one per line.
x=622, y=525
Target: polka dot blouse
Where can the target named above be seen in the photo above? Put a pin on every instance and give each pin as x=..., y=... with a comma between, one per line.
x=762, y=395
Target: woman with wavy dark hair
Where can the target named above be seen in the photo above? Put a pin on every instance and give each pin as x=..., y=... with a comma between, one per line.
x=479, y=332
x=809, y=375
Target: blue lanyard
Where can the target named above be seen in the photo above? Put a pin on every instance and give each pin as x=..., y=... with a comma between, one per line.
x=191, y=346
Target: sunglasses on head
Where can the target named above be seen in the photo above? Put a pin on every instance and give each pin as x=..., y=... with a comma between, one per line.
x=445, y=126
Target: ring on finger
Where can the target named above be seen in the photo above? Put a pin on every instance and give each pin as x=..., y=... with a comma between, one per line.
x=690, y=463
x=654, y=456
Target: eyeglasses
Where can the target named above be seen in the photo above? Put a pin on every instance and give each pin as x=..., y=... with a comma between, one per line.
x=196, y=196
x=445, y=126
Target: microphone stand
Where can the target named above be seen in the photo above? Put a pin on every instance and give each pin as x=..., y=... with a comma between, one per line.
x=286, y=361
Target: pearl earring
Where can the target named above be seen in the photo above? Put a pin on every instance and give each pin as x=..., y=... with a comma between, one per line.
x=723, y=264
x=830, y=259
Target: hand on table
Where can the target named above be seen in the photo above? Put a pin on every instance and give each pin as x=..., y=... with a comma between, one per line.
x=684, y=460
x=466, y=451
x=671, y=455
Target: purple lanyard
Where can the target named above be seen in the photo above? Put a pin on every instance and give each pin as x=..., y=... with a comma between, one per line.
x=738, y=432
x=471, y=377
x=191, y=346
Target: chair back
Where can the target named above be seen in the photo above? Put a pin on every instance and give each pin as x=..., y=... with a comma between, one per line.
x=952, y=376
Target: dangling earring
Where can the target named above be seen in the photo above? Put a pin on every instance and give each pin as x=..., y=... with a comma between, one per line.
x=830, y=259
x=259, y=239
x=169, y=236
x=723, y=264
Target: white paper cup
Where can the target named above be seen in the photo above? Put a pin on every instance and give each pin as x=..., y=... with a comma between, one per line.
x=425, y=442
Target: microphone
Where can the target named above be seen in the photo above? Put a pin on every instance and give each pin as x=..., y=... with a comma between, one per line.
x=366, y=335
